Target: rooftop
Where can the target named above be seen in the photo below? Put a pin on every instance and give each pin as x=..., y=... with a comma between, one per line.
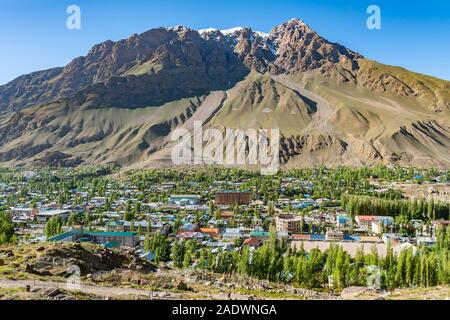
x=70, y=233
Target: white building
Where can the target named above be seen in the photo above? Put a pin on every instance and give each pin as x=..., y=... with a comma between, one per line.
x=232, y=233
x=44, y=216
x=288, y=222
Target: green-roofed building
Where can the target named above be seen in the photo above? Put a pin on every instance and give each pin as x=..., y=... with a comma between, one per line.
x=260, y=234
x=111, y=245
x=108, y=239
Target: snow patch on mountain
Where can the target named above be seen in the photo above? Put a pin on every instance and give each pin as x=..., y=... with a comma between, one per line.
x=231, y=30
x=207, y=30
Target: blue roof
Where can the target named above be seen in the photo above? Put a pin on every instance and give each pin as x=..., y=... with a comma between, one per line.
x=62, y=236
x=149, y=256
x=259, y=234
x=387, y=219
x=301, y=206
x=111, y=244
x=109, y=233
x=351, y=237
x=317, y=237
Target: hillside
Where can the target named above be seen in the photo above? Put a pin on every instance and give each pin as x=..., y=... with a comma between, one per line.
x=120, y=102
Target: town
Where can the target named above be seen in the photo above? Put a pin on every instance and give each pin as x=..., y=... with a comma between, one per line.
x=316, y=228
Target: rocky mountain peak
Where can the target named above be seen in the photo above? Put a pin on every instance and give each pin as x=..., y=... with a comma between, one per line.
x=290, y=47
x=292, y=26
x=236, y=78
x=300, y=48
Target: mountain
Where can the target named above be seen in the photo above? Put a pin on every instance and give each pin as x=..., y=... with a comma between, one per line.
x=121, y=101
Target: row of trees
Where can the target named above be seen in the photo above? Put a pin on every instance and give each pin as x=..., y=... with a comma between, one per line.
x=53, y=226
x=411, y=209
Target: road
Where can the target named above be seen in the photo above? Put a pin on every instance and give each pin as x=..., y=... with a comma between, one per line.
x=113, y=292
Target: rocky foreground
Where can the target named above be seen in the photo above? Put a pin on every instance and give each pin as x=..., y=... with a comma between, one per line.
x=46, y=272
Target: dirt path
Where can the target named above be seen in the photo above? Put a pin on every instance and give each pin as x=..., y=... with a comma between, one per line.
x=115, y=292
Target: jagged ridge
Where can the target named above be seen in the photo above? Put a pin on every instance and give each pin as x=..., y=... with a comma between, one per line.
x=122, y=100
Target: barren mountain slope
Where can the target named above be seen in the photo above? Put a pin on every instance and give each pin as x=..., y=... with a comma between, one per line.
x=121, y=102
x=56, y=135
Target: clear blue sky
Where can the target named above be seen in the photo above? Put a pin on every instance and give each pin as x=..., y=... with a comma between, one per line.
x=33, y=36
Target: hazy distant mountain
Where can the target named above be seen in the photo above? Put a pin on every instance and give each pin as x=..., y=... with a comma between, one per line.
x=122, y=100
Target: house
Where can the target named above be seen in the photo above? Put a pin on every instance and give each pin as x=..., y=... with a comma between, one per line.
x=108, y=239
x=258, y=203
x=44, y=216
x=260, y=234
x=288, y=222
x=343, y=222
x=98, y=201
x=378, y=227
x=211, y=232
x=23, y=220
x=20, y=211
x=334, y=235
x=369, y=239
x=232, y=234
x=227, y=214
x=282, y=235
x=184, y=199
x=135, y=225
x=366, y=222
x=300, y=237
x=317, y=237
x=188, y=227
x=192, y=207
x=219, y=245
x=322, y=200
x=112, y=215
x=392, y=237
x=254, y=242
x=308, y=202
x=167, y=186
x=191, y=236
x=427, y=241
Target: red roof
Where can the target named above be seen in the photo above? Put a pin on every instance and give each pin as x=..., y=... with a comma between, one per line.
x=300, y=236
x=441, y=222
x=367, y=218
x=253, y=241
x=213, y=232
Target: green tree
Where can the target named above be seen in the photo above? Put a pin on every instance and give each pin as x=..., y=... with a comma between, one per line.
x=53, y=226
x=7, y=233
x=73, y=219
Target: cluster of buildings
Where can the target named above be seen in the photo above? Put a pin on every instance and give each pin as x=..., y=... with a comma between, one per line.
x=216, y=217
x=24, y=215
